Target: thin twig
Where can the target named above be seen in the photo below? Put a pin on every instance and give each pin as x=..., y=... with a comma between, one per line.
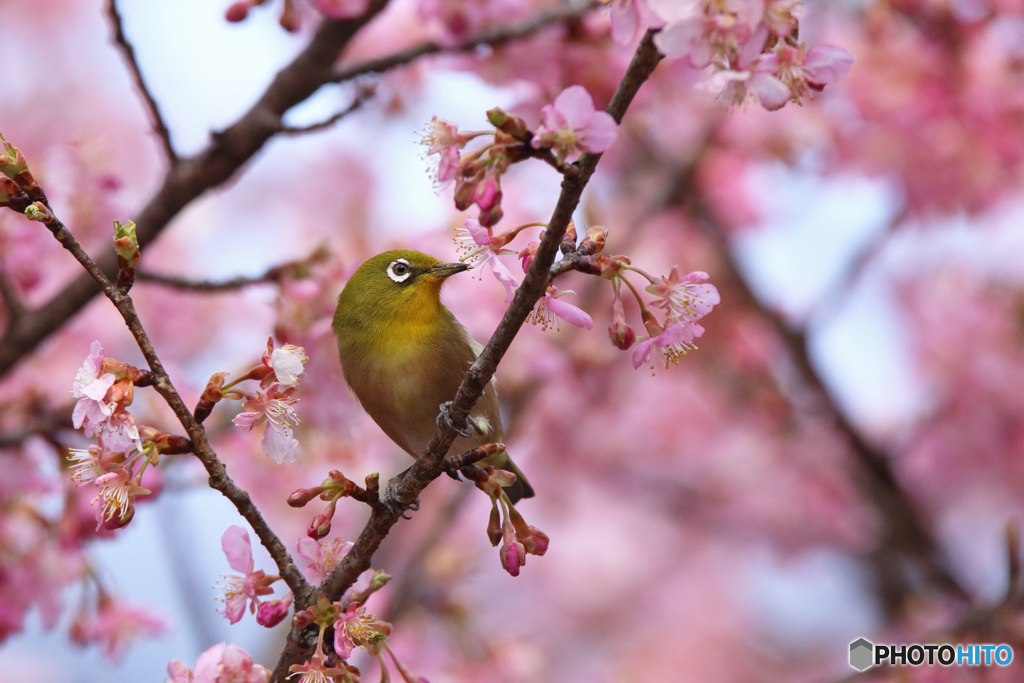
x=272, y=275
x=492, y=37
x=191, y=177
x=362, y=96
x=157, y=119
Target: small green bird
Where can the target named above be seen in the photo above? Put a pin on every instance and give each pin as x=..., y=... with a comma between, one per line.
x=404, y=354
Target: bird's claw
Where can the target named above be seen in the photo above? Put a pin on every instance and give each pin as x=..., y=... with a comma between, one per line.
x=444, y=419
x=396, y=506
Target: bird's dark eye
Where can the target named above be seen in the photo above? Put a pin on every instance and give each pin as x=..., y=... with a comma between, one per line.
x=399, y=271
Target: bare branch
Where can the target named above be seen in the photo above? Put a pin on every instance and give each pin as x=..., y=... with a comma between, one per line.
x=492, y=37
x=272, y=275
x=158, y=122
x=365, y=93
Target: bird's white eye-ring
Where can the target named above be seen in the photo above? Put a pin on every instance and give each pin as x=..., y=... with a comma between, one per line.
x=399, y=271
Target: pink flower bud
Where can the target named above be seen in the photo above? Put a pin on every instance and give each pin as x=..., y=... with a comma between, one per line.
x=513, y=556
x=300, y=497
x=487, y=193
x=237, y=12
x=536, y=543
x=272, y=613
x=619, y=331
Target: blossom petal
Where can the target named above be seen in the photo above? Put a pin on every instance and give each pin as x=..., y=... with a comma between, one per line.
x=600, y=134
x=641, y=352
x=575, y=105
x=237, y=548
x=827, y=64
x=570, y=313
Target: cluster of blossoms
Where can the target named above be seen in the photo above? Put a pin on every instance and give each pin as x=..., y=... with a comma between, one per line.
x=271, y=405
x=248, y=590
x=750, y=47
x=222, y=662
x=115, y=464
x=505, y=525
x=353, y=628
x=569, y=127
x=683, y=300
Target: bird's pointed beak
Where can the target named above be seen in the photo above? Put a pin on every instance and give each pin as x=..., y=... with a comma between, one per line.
x=443, y=270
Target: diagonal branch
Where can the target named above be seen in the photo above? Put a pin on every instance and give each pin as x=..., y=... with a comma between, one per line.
x=192, y=177
x=219, y=478
x=159, y=125
x=430, y=465
x=906, y=531
x=492, y=37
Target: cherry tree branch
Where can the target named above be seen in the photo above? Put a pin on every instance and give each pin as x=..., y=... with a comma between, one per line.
x=11, y=298
x=159, y=124
x=272, y=275
x=231, y=148
x=492, y=37
x=431, y=463
x=161, y=381
x=364, y=94
x=906, y=531
x=192, y=177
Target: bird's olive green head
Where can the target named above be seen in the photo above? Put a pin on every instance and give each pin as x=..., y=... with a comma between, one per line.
x=393, y=294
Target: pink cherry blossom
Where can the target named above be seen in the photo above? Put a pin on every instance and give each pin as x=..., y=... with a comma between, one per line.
x=550, y=309
x=355, y=628
x=798, y=71
x=221, y=663
x=272, y=407
x=690, y=297
x=249, y=584
x=668, y=346
x=115, y=501
x=571, y=125
x=90, y=387
x=630, y=18
x=442, y=138
x=288, y=363
x=323, y=555
x=725, y=32
x=115, y=624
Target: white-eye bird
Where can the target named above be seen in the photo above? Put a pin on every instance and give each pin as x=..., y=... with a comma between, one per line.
x=403, y=354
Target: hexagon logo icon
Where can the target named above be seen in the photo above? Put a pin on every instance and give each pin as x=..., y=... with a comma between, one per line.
x=861, y=654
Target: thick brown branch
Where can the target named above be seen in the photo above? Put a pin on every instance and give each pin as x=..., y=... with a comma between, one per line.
x=159, y=125
x=491, y=37
x=430, y=465
x=191, y=177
